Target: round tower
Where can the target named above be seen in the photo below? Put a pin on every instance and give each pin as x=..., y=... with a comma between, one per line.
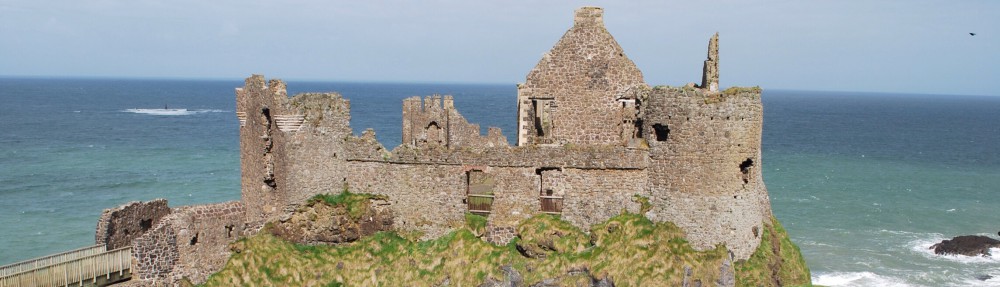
x=704, y=172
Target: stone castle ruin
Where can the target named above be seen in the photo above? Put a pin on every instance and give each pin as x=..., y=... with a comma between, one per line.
x=592, y=137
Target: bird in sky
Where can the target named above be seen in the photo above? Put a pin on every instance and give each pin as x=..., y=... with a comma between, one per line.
x=972, y=34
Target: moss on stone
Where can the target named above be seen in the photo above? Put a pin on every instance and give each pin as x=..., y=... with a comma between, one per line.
x=628, y=249
x=732, y=91
x=545, y=234
x=355, y=203
x=644, y=205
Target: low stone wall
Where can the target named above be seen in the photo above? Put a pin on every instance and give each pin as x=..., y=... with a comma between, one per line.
x=155, y=254
x=204, y=233
x=118, y=226
x=192, y=243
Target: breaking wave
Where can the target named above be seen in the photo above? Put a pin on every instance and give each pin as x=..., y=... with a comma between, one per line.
x=171, y=112
x=857, y=279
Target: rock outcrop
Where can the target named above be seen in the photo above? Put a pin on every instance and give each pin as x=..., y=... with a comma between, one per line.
x=321, y=221
x=968, y=245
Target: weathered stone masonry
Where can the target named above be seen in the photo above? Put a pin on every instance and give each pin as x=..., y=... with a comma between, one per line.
x=591, y=136
x=191, y=242
x=118, y=227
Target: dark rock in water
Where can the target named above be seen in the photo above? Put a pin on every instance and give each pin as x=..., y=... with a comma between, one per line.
x=968, y=245
x=983, y=277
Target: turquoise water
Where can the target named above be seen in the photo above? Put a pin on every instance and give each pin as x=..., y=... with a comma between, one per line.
x=864, y=183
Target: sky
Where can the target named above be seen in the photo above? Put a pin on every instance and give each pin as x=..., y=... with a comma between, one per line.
x=914, y=46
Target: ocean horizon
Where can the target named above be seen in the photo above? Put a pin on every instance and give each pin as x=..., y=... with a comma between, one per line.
x=863, y=182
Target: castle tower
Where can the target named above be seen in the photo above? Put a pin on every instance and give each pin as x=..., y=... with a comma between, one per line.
x=283, y=141
x=262, y=147
x=576, y=92
x=704, y=173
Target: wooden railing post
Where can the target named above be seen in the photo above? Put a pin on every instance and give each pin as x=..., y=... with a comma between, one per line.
x=58, y=269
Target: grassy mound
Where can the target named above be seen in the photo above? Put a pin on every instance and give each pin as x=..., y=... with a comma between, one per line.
x=382, y=259
x=628, y=249
x=776, y=262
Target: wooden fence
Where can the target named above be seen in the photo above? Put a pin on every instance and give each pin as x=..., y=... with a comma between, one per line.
x=51, y=259
x=83, y=270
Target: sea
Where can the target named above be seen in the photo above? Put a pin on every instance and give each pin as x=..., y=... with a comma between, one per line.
x=864, y=183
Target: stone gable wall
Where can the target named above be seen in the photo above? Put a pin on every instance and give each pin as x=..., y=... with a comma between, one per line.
x=572, y=93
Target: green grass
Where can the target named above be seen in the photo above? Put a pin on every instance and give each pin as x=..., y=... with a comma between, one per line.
x=776, y=261
x=732, y=91
x=476, y=223
x=355, y=203
x=644, y=205
x=628, y=248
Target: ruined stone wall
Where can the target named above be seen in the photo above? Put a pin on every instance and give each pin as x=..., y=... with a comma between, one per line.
x=710, y=72
x=591, y=157
x=591, y=136
x=426, y=184
x=434, y=122
x=704, y=172
x=433, y=198
x=316, y=152
x=155, y=254
x=515, y=195
x=571, y=96
x=204, y=233
x=424, y=197
x=192, y=242
x=262, y=147
x=118, y=227
x=595, y=195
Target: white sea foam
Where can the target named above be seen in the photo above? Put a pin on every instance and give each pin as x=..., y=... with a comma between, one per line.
x=171, y=112
x=857, y=279
x=923, y=247
x=994, y=281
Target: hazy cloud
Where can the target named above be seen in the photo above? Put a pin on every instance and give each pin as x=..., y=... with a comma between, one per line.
x=911, y=46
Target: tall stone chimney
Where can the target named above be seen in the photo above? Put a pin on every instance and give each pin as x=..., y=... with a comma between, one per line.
x=710, y=76
x=589, y=16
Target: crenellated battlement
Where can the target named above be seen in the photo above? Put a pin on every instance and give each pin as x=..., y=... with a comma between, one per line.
x=435, y=123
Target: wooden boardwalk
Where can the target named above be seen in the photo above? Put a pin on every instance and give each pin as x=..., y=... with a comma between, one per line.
x=88, y=266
